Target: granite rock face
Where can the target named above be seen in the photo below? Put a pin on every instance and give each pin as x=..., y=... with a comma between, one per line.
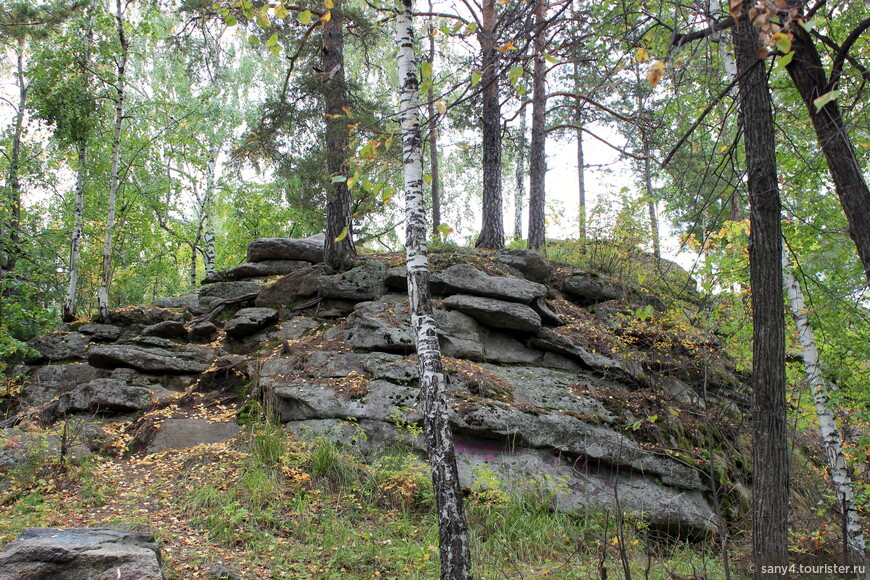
x=543, y=388
x=81, y=554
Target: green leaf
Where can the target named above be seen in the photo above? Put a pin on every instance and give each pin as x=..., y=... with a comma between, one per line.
x=273, y=40
x=783, y=42
x=825, y=99
x=338, y=179
x=230, y=20
x=263, y=20
x=807, y=25
x=516, y=74
x=471, y=27
x=475, y=78
x=426, y=70
x=280, y=11
x=783, y=61
x=342, y=235
x=305, y=17
x=254, y=39
x=275, y=50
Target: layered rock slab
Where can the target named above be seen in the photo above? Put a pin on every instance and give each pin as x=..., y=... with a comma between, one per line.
x=81, y=554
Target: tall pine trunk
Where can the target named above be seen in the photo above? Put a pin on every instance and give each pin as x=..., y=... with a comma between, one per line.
x=537, y=152
x=339, y=246
x=831, y=440
x=114, y=179
x=453, y=534
x=492, y=228
x=770, y=453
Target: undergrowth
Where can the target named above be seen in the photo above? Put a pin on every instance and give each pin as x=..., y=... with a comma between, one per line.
x=319, y=508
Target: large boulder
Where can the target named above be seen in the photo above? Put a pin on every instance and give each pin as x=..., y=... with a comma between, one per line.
x=181, y=360
x=142, y=315
x=49, y=381
x=101, y=332
x=298, y=284
x=228, y=290
x=459, y=335
x=60, y=345
x=81, y=554
x=466, y=279
x=379, y=326
x=166, y=329
x=248, y=321
x=305, y=249
x=256, y=270
x=528, y=262
x=362, y=283
x=108, y=396
x=496, y=313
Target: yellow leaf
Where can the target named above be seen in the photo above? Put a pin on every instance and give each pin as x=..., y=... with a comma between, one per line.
x=723, y=149
x=509, y=45
x=655, y=72
x=327, y=17
x=864, y=145
x=641, y=55
x=441, y=106
x=346, y=111
x=329, y=4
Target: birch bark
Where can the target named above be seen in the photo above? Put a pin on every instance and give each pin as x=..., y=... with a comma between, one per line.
x=103, y=293
x=827, y=424
x=453, y=533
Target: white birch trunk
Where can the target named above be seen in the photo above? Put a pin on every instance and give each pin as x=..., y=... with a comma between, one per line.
x=69, y=304
x=827, y=424
x=520, y=193
x=452, y=526
x=103, y=293
x=208, y=251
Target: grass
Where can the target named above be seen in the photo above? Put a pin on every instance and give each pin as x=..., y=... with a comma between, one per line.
x=270, y=506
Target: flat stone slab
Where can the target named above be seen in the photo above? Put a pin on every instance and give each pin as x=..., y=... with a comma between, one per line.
x=183, y=360
x=496, y=313
x=256, y=270
x=250, y=320
x=306, y=249
x=186, y=433
x=466, y=279
x=81, y=554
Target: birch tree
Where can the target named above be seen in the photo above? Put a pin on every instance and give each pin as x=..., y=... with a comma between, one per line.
x=114, y=178
x=820, y=388
x=453, y=534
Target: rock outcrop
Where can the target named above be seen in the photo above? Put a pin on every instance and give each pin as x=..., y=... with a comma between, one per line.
x=555, y=384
